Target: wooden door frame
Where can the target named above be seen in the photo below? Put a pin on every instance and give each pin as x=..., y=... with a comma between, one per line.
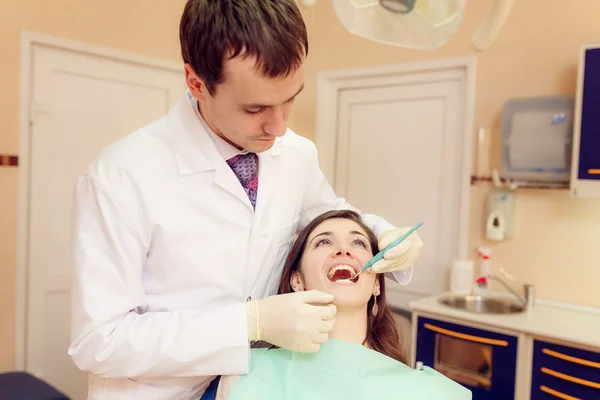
x=30, y=40
x=331, y=83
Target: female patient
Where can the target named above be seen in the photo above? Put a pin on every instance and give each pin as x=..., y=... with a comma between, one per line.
x=363, y=357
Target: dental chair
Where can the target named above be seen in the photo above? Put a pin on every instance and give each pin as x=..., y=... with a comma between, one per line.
x=23, y=386
x=211, y=391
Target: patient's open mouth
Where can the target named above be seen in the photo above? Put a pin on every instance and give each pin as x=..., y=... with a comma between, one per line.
x=342, y=273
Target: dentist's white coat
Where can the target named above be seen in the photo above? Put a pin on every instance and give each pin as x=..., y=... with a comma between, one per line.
x=167, y=249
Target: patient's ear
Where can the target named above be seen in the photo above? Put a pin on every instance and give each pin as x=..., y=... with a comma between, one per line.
x=297, y=282
x=376, y=287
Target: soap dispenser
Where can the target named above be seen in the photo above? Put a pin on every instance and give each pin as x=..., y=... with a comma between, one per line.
x=495, y=225
x=500, y=215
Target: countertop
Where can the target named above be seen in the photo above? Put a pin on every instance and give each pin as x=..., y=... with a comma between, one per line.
x=548, y=321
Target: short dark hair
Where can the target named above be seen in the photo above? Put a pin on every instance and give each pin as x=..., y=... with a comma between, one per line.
x=212, y=31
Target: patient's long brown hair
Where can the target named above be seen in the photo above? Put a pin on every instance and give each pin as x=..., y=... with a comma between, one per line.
x=382, y=334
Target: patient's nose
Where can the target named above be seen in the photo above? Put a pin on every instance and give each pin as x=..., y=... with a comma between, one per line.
x=342, y=251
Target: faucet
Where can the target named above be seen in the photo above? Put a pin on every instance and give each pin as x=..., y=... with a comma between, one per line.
x=528, y=299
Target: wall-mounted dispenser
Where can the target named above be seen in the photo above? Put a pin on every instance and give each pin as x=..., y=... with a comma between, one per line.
x=500, y=214
x=537, y=139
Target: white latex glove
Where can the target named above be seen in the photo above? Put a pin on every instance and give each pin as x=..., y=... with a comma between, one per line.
x=299, y=321
x=400, y=257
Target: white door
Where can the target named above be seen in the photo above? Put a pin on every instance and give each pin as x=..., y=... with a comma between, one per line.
x=399, y=155
x=80, y=103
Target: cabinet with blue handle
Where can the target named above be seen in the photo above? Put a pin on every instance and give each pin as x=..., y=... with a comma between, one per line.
x=564, y=372
x=483, y=361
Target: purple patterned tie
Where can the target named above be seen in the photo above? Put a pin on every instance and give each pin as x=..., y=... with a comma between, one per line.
x=245, y=167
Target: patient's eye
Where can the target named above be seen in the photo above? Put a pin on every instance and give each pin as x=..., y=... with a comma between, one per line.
x=361, y=242
x=322, y=242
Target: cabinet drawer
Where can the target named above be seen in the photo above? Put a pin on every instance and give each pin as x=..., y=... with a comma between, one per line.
x=483, y=361
x=564, y=372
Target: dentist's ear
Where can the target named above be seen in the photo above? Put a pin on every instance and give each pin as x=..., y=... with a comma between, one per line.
x=195, y=84
x=297, y=282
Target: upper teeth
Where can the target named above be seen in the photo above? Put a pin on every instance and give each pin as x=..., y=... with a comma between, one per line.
x=333, y=270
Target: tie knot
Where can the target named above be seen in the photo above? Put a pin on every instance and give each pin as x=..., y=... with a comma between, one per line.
x=244, y=165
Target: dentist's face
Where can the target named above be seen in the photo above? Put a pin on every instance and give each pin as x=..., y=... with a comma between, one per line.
x=248, y=110
x=334, y=250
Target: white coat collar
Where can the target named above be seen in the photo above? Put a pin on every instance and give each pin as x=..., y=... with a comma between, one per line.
x=227, y=150
x=195, y=153
x=194, y=150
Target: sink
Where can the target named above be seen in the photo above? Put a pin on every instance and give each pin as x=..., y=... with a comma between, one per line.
x=482, y=305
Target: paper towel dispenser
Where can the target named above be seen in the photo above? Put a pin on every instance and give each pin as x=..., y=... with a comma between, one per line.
x=537, y=139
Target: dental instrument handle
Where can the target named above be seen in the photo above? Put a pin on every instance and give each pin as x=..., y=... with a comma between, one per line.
x=379, y=255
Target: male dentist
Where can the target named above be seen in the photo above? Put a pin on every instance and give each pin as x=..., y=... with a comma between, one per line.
x=181, y=228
